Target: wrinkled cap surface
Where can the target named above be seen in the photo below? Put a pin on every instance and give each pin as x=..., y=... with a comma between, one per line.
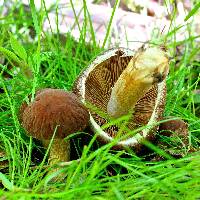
x=54, y=110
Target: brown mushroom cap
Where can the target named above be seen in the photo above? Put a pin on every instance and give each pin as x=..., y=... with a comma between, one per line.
x=54, y=110
x=95, y=84
x=174, y=127
x=176, y=130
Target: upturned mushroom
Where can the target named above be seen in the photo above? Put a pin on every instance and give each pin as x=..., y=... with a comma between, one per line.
x=54, y=112
x=121, y=82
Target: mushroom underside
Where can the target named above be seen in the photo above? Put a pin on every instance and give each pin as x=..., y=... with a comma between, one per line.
x=94, y=87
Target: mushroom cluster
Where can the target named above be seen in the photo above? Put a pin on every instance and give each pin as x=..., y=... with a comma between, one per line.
x=54, y=113
x=118, y=83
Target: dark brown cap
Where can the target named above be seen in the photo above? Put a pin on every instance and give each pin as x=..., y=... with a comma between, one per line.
x=177, y=144
x=174, y=126
x=54, y=110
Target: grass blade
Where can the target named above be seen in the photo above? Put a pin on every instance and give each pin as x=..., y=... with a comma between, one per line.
x=110, y=22
x=18, y=48
x=193, y=11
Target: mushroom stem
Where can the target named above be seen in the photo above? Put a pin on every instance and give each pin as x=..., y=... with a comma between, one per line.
x=144, y=69
x=59, y=150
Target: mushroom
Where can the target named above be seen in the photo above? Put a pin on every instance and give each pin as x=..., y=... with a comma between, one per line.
x=54, y=112
x=121, y=82
x=175, y=131
x=173, y=127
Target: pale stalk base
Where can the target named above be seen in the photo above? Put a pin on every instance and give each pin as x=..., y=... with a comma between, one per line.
x=59, y=150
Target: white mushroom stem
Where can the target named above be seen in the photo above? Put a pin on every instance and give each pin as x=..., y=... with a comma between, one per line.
x=145, y=68
x=59, y=150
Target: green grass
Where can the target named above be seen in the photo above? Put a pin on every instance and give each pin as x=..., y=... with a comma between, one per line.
x=55, y=61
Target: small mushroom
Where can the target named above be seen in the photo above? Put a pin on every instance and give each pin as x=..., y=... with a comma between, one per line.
x=173, y=127
x=121, y=82
x=175, y=141
x=54, y=111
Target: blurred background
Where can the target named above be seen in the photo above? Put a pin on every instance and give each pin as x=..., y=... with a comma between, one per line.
x=133, y=21
x=46, y=44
